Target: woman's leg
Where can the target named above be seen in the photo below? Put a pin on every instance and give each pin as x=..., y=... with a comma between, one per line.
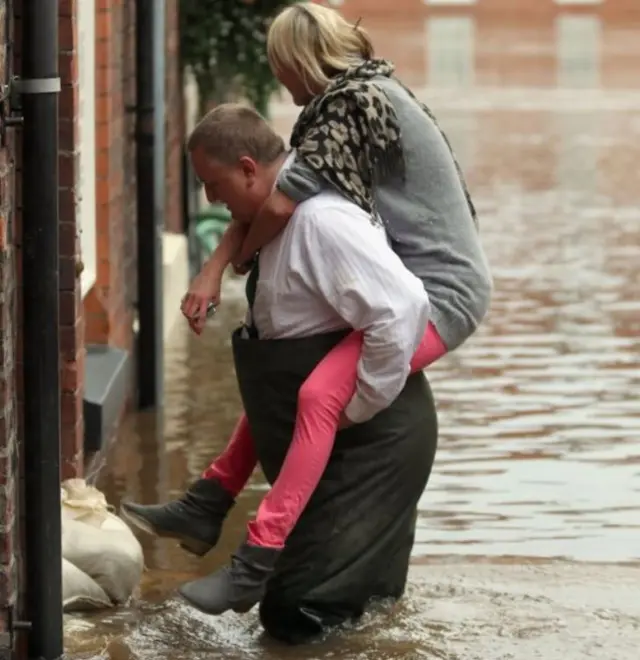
x=431, y=348
x=237, y=462
x=321, y=399
x=196, y=518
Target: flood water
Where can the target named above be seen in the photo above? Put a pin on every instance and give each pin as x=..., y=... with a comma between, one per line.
x=529, y=535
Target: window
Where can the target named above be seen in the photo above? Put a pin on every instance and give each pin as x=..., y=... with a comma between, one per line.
x=86, y=178
x=450, y=3
x=577, y=3
x=451, y=51
x=578, y=49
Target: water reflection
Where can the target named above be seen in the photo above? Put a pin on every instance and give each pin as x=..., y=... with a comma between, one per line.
x=540, y=451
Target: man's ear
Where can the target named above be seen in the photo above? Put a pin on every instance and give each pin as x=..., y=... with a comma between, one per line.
x=248, y=166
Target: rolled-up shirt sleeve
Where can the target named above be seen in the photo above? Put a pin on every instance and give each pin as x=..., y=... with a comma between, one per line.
x=367, y=285
x=299, y=182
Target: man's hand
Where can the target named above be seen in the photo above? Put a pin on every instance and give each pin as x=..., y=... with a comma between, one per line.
x=204, y=289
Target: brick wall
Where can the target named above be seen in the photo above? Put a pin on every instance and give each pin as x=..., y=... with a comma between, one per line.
x=9, y=407
x=616, y=10
x=105, y=316
x=109, y=304
x=71, y=321
x=175, y=121
x=109, y=307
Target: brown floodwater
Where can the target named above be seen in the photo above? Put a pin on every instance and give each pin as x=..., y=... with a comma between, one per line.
x=528, y=542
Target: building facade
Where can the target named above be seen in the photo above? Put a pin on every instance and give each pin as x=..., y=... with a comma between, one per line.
x=97, y=237
x=611, y=9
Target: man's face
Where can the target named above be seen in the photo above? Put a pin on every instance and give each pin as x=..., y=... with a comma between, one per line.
x=240, y=187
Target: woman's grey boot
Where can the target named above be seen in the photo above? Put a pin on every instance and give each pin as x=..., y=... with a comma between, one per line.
x=237, y=587
x=195, y=519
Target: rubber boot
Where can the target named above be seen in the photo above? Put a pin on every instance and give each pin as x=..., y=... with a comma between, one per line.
x=195, y=519
x=237, y=587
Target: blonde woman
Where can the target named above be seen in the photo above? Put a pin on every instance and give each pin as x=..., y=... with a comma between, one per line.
x=362, y=133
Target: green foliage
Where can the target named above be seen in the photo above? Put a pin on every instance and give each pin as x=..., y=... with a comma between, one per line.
x=224, y=43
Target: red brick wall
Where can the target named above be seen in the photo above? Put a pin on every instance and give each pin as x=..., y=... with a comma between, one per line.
x=109, y=304
x=403, y=38
x=618, y=10
x=71, y=322
x=9, y=369
x=174, y=121
x=105, y=316
x=109, y=307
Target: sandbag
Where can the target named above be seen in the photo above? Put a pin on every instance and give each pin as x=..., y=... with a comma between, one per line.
x=80, y=592
x=99, y=543
x=353, y=541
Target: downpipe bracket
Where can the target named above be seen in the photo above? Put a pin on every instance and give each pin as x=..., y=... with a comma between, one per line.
x=10, y=100
x=10, y=116
x=7, y=638
x=37, y=85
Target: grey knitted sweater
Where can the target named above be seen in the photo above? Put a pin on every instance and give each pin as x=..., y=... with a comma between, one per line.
x=427, y=219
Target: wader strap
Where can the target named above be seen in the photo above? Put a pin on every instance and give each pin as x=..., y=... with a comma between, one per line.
x=250, y=289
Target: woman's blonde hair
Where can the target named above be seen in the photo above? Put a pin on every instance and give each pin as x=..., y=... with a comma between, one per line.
x=316, y=43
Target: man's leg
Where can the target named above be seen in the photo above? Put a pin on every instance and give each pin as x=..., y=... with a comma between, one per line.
x=196, y=518
x=321, y=398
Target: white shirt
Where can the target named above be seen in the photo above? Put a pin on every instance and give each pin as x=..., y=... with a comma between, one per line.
x=331, y=269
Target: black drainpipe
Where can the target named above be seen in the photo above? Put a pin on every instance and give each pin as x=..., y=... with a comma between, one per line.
x=150, y=191
x=39, y=87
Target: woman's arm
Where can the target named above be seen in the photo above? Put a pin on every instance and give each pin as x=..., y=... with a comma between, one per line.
x=228, y=248
x=295, y=185
x=270, y=221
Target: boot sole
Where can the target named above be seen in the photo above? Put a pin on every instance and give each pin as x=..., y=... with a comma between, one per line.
x=187, y=543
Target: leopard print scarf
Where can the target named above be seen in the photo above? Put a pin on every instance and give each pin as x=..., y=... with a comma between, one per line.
x=351, y=137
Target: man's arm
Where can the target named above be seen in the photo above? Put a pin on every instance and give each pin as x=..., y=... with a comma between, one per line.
x=351, y=266
x=295, y=185
x=205, y=287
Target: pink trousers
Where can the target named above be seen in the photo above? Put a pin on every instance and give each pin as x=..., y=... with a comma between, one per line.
x=321, y=399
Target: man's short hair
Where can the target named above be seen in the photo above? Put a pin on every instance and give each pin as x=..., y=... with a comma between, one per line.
x=231, y=131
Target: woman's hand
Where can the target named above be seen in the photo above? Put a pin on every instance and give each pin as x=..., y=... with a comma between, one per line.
x=242, y=269
x=344, y=422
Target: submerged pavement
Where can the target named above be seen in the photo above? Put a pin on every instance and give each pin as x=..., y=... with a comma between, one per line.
x=528, y=543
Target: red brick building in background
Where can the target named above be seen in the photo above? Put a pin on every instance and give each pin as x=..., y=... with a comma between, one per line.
x=608, y=9
x=97, y=228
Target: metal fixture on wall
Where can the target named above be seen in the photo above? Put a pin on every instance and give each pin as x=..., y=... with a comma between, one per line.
x=150, y=141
